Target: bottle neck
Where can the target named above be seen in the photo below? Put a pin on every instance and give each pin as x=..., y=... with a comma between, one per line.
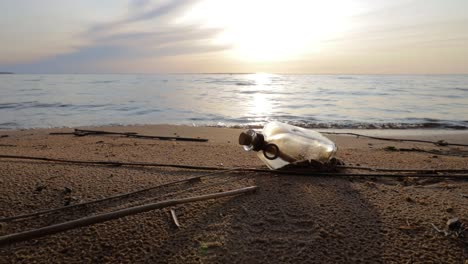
x=258, y=142
x=252, y=140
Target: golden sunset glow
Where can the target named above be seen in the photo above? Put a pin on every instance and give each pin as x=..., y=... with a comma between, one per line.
x=241, y=36
x=263, y=31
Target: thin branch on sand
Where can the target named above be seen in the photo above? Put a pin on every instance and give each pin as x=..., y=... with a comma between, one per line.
x=86, y=221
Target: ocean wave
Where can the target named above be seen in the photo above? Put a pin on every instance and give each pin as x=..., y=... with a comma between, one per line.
x=461, y=89
x=104, y=81
x=36, y=104
x=330, y=101
x=357, y=125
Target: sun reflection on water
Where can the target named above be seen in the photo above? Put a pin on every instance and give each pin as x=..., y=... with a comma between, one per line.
x=259, y=103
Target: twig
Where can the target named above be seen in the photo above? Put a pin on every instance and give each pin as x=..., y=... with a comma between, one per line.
x=83, y=132
x=111, y=163
x=439, y=231
x=438, y=143
x=402, y=170
x=174, y=218
x=434, y=152
x=103, y=132
x=37, y=213
x=454, y=175
x=86, y=221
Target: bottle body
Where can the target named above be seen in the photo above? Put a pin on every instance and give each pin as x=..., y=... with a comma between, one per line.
x=285, y=144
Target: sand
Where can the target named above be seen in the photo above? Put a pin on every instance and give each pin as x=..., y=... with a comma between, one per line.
x=291, y=219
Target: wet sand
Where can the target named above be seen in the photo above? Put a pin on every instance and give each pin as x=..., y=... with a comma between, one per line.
x=291, y=219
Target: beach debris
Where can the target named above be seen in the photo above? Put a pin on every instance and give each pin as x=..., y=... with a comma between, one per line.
x=442, y=143
x=67, y=190
x=409, y=199
x=438, y=143
x=86, y=132
x=204, y=246
x=7, y=145
x=390, y=148
x=67, y=201
x=333, y=165
x=122, y=195
x=464, y=195
x=280, y=144
x=439, y=230
x=39, y=188
x=453, y=223
x=174, y=218
x=99, y=218
x=4, y=136
x=409, y=227
x=454, y=228
x=452, y=152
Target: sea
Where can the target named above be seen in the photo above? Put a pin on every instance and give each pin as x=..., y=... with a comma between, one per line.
x=234, y=100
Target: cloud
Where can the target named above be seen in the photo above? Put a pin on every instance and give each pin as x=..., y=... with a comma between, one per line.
x=145, y=32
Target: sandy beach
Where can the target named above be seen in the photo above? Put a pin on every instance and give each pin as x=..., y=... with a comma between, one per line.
x=290, y=219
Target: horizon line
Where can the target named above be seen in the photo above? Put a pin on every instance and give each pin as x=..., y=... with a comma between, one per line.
x=223, y=73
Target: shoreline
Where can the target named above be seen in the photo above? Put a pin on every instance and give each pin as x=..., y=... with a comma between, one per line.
x=256, y=127
x=251, y=126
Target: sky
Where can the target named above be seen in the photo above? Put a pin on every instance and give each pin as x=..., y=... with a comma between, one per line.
x=237, y=36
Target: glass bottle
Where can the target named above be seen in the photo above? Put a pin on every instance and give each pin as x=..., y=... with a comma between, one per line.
x=280, y=144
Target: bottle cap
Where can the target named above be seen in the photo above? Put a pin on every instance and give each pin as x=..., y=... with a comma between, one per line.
x=246, y=138
x=252, y=138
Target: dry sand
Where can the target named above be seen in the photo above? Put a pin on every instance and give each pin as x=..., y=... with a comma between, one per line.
x=291, y=219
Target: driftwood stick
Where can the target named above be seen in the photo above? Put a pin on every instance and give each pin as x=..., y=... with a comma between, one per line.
x=123, y=195
x=136, y=135
x=103, y=132
x=169, y=138
x=86, y=221
x=174, y=218
x=85, y=132
x=438, y=143
x=454, y=174
x=438, y=230
x=61, y=133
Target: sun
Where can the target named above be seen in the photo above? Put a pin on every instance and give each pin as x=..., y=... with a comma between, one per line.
x=262, y=31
